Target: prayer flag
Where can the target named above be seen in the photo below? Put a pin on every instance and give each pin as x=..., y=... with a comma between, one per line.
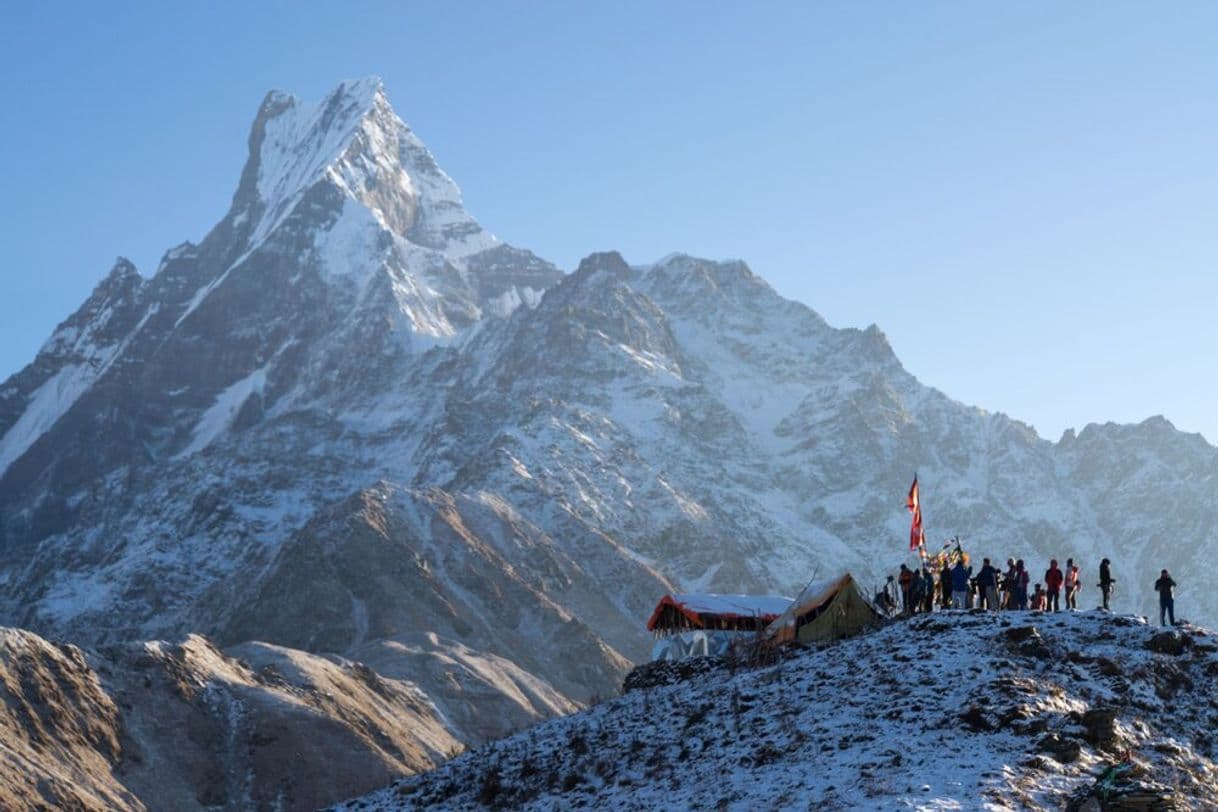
x=916, y=537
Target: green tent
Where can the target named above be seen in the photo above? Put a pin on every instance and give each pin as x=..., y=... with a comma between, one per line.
x=826, y=610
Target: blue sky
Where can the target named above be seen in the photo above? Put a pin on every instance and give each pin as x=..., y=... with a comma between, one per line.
x=1022, y=196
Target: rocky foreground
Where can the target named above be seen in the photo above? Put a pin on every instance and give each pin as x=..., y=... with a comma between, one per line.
x=949, y=711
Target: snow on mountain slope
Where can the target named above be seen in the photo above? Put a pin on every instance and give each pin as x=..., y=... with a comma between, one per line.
x=79, y=352
x=951, y=711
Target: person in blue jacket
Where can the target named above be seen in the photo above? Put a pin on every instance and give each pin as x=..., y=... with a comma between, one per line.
x=960, y=576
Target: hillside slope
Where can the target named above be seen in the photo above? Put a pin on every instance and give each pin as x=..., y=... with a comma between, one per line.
x=951, y=711
x=187, y=726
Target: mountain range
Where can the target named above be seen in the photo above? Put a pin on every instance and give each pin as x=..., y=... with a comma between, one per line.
x=352, y=423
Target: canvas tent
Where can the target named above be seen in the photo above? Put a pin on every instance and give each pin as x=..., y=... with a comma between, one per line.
x=826, y=610
x=699, y=625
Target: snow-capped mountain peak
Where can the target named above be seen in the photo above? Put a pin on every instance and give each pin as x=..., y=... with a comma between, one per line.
x=353, y=140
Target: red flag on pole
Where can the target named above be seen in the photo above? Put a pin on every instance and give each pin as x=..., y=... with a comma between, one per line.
x=916, y=537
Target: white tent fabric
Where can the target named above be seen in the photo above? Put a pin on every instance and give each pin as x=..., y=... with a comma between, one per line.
x=743, y=605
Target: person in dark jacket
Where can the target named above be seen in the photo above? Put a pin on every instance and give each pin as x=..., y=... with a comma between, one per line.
x=1106, y=581
x=928, y=590
x=1167, y=601
x=987, y=584
x=1008, y=586
x=960, y=576
x=917, y=592
x=1053, y=586
x=1021, y=585
x=945, y=586
x=905, y=579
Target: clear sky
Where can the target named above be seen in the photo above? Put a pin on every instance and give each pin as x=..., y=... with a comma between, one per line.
x=1023, y=196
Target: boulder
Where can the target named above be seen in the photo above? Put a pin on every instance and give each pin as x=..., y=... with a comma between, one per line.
x=1170, y=642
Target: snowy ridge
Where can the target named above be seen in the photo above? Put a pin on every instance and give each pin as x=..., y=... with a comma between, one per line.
x=951, y=711
x=86, y=346
x=353, y=138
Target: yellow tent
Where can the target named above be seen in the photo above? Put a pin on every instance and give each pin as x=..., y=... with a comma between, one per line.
x=825, y=610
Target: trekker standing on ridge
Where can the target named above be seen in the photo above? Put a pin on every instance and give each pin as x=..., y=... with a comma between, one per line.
x=945, y=586
x=1021, y=585
x=1167, y=602
x=905, y=579
x=928, y=587
x=960, y=576
x=1008, y=586
x=1053, y=586
x=1072, y=584
x=987, y=583
x=1106, y=581
x=916, y=587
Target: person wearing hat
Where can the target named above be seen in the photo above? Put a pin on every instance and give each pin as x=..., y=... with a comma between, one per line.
x=1167, y=602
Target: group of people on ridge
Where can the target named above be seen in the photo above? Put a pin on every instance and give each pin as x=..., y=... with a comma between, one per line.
x=956, y=587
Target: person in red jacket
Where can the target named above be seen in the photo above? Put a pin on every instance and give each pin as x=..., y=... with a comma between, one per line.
x=1072, y=584
x=1053, y=586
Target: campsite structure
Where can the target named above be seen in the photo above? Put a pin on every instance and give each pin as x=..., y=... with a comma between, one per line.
x=826, y=610
x=700, y=625
x=693, y=625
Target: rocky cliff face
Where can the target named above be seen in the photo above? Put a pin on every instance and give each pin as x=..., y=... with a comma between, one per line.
x=350, y=420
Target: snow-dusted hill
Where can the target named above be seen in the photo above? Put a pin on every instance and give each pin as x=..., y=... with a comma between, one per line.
x=952, y=711
x=350, y=420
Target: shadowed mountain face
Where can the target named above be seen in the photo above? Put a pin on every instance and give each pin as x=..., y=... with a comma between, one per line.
x=350, y=420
